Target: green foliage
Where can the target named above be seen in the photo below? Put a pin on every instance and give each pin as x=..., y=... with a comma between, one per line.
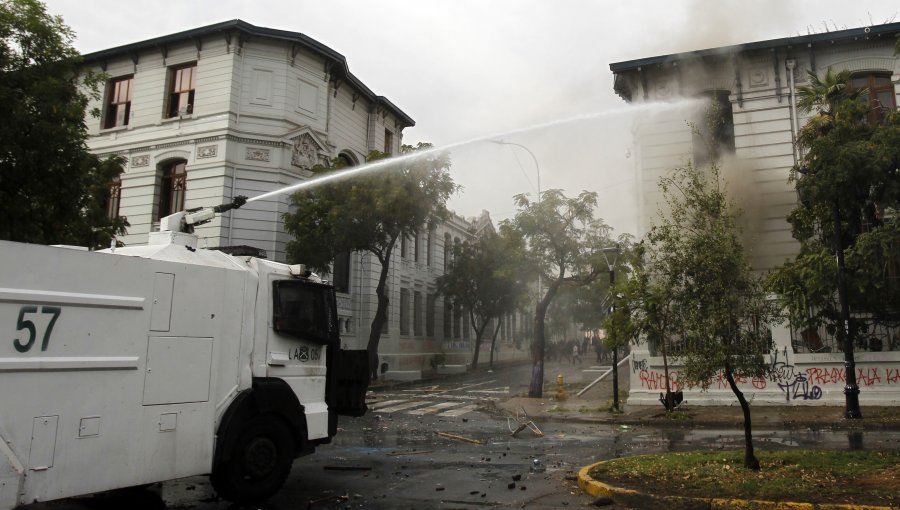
x=563, y=245
x=485, y=280
x=697, y=276
x=52, y=189
x=369, y=212
x=850, y=171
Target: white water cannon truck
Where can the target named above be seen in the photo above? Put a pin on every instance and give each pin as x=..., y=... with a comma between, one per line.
x=131, y=366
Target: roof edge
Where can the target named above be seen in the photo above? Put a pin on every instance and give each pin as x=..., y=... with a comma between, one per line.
x=342, y=69
x=840, y=35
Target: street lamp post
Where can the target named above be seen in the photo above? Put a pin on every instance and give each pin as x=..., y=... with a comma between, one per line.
x=851, y=389
x=537, y=375
x=614, y=251
x=537, y=167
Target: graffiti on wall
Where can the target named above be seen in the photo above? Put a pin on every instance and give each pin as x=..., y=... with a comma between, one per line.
x=795, y=383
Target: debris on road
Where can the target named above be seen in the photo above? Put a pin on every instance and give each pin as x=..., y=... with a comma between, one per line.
x=459, y=438
x=521, y=423
x=399, y=454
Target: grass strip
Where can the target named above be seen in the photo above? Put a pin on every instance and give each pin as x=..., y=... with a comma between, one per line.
x=820, y=476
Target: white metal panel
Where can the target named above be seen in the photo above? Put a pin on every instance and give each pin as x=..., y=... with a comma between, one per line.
x=178, y=370
x=43, y=443
x=160, y=317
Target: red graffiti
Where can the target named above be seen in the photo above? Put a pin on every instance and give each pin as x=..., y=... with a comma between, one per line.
x=834, y=375
x=892, y=376
x=657, y=381
x=759, y=383
x=868, y=376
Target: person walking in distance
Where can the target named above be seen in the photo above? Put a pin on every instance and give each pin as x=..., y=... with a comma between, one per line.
x=575, y=354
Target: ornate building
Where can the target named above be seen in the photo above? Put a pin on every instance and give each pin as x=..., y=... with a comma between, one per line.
x=233, y=109
x=754, y=85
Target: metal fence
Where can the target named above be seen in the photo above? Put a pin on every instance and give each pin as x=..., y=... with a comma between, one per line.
x=872, y=335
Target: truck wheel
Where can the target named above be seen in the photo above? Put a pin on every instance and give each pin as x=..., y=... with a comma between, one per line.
x=259, y=464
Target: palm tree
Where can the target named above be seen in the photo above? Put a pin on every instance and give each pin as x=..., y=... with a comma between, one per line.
x=825, y=95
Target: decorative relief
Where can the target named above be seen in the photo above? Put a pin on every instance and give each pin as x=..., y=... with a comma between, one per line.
x=306, y=152
x=254, y=154
x=758, y=77
x=140, y=161
x=207, y=151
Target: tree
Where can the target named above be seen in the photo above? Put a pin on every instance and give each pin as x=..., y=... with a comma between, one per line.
x=563, y=244
x=484, y=279
x=849, y=191
x=52, y=189
x=370, y=212
x=696, y=283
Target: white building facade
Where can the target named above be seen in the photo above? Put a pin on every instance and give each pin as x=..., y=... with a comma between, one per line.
x=232, y=109
x=755, y=85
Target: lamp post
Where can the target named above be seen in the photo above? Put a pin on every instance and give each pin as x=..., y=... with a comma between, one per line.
x=537, y=167
x=537, y=375
x=614, y=251
x=851, y=389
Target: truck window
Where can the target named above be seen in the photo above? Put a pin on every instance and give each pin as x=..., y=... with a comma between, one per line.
x=304, y=310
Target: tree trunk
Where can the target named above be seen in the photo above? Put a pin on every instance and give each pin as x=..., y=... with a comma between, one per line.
x=536, y=388
x=479, y=335
x=380, y=315
x=493, y=343
x=750, y=460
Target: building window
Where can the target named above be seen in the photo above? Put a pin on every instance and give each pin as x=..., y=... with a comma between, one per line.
x=114, y=198
x=403, y=246
x=428, y=250
x=388, y=142
x=429, y=315
x=417, y=247
x=714, y=133
x=172, y=188
x=878, y=93
x=118, y=103
x=404, y=311
x=340, y=273
x=457, y=320
x=182, y=82
x=417, y=313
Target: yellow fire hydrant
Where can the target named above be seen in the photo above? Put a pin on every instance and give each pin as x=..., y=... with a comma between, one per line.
x=561, y=388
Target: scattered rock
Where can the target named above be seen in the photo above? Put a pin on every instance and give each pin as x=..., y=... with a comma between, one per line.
x=522, y=488
x=439, y=488
x=472, y=493
x=516, y=478
x=511, y=485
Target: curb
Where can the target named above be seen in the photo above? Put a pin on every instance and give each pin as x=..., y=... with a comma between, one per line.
x=636, y=499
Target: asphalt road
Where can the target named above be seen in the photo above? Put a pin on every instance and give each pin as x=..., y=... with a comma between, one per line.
x=445, y=446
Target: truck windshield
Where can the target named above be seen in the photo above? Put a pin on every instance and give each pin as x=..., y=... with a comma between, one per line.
x=304, y=310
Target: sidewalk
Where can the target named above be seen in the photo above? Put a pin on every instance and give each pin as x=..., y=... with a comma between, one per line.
x=595, y=405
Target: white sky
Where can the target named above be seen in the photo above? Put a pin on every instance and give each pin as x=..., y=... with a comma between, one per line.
x=474, y=69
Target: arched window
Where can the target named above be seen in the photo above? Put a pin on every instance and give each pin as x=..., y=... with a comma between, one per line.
x=879, y=94
x=171, y=188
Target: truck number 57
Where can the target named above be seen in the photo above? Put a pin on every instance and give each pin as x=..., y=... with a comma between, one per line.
x=25, y=323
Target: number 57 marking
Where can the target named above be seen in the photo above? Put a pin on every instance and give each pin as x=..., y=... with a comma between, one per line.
x=28, y=325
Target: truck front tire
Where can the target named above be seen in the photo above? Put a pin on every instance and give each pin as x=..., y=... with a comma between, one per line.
x=259, y=464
